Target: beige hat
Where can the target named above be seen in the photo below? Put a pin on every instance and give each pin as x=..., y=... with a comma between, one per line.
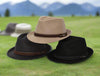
x=21, y=28
x=49, y=29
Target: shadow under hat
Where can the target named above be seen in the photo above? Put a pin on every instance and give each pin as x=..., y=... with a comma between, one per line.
x=71, y=50
x=26, y=50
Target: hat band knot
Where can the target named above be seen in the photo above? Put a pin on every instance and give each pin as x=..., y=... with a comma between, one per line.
x=51, y=35
x=29, y=53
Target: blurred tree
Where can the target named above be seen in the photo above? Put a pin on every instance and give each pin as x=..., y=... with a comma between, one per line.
x=50, y=14
x=90, y=15
x=0, y=15
x=73, y=15
x=97, y=13
x=33, y=14
x=7, y=13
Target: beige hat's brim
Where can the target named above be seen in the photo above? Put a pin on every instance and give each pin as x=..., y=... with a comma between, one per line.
x=45, y=40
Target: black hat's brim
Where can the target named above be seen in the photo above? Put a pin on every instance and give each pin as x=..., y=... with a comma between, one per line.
x=4, y=33
x=55, y=59
x=11, y=54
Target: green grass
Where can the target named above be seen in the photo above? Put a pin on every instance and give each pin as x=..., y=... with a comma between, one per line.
x=88, y=27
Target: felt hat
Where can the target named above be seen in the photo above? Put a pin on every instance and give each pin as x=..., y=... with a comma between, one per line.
x=27, y=50
x=21, y=28
x=49, y=29
x=9, y=29
x=71, y=50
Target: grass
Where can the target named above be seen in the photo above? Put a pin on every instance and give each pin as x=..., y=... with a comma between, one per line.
x=88, y=27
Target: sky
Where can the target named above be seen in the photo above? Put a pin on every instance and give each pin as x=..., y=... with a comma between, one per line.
x=38, y=2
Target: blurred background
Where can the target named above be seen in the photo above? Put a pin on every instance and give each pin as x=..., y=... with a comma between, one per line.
x=82, y=17
x=49, y=7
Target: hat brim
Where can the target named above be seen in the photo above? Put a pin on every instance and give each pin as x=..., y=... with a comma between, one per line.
x=55, y=59
x=11, y=54
x=4, y=33
x=45, y=40
x=15, y=35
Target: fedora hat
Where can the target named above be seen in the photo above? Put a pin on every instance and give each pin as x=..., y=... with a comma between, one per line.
x=9, y=29
x=71, y=50
x=26, y=50
x=49, y=29
x=21, y=28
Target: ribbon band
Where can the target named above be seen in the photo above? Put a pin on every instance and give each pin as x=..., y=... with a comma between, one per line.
x=45, y=35
x=29, y=53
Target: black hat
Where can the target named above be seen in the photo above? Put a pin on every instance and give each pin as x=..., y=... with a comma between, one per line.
x=71, y=50
x=27, y=50
x=9, y=29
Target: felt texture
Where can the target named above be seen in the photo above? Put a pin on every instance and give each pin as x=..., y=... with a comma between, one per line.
x=24, y=45
x=71, y=50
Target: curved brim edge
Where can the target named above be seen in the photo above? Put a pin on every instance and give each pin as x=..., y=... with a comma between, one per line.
x=11, y=54
x=45, y=40
x=52, y=58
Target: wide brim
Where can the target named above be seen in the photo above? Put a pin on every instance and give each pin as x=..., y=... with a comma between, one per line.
x=11, y=54
x=45, y=40
x=69, y=61
x=4, y=33
x=15, y=35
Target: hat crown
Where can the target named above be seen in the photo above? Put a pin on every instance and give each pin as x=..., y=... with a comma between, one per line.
x=24, y=45
x=11, y=27
x=50, y=25
x=22, y=28
x=71, y=46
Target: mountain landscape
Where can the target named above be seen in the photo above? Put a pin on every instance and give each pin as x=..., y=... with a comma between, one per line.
x=88, y=7
x=54, y=6
x=3, y=7
x=76, y=9
x=25, y=8
x=44, y=5
x=70, y=9
x=28, y=8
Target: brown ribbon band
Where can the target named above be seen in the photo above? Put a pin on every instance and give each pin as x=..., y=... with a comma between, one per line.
x=44, y=35
x=29, y=53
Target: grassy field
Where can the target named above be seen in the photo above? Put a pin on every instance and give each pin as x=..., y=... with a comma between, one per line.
x=88, y=27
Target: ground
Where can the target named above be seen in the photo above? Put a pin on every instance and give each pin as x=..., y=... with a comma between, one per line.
x=87, y=27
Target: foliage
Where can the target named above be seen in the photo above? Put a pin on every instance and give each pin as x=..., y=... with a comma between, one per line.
x=7, y=13
x=33, y=14
x=50, y=14
x=73, y=15
x=97, y=13
x=0, y=15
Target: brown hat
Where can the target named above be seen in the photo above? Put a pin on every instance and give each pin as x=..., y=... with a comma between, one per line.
x=49, y=29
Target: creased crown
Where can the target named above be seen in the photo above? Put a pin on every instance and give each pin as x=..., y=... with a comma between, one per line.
x=50, y=25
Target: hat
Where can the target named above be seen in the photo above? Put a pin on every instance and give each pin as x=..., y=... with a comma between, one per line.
x=71, y=50
x=9, y=29
x=49, y=29
x=26, y=50
x=21, y=28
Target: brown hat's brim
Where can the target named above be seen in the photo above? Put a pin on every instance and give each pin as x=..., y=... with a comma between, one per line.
x=45, y=40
